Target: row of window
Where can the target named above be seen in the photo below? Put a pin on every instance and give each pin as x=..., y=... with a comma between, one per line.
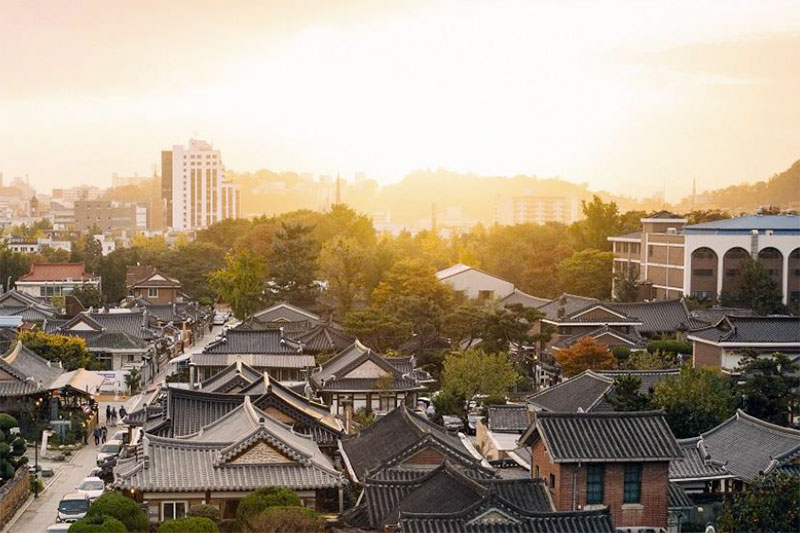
x=632, y=484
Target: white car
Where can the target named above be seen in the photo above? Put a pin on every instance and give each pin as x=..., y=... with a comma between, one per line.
x=93, y=487
x=219, y=319
x=110, y=448
x=72, y=507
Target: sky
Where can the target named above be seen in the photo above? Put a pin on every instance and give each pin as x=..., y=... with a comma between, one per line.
x=629, y=97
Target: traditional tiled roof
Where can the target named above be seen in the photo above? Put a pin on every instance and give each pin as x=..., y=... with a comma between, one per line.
x=15, y=298
x=508, y=418
x=742, y=446
x=256, y=360
x=292, y=318
x=578, y=316
x=232, y=379
x=333, y=373
x=133, y=323
x=622, y=339
x=31, y=313
x=112, y=340
x=57, y=272
x=324, y=338
x=151, y=279
x=526, y=300
x=28, y=373
x=389, y=439
x=586, y=391
x=263, y=341
x=565, y=305
x=658, y=316
x=15, y=303
x=678, y=498
x=588, y=437
x=471, y=522
x=738, y=330
x=207, y=460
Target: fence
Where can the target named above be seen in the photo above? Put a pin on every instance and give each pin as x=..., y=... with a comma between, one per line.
x=13, y=494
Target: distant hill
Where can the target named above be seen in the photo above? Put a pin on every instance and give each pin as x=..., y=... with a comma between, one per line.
x=781, y=190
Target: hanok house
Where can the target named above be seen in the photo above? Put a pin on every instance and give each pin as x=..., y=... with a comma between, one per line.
x=176, y=412
x=294, y=320
x=496, y=435
x=30, y=309
x=587, y=391
x=223, y=462
x=404, y=444
x=56, y=279
x=150, y=284
x=721, y=346
x=448, y=499
x=325, y=338
x=607, y=326
x=367, y=380
x=185, y=321
x=265, y=350
x=614, y=461
x=732, y=454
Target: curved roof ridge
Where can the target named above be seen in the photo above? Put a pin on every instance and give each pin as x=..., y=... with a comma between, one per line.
x=13, y=353
x=742, y=415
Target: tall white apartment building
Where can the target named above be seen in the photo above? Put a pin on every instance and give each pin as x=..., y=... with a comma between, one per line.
x=531, y=209
x=193, y=189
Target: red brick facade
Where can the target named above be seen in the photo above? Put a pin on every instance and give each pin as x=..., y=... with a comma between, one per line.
x=650, y=512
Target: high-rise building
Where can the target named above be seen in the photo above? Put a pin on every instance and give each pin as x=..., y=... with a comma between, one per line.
x=192, y=186
x=530, y=209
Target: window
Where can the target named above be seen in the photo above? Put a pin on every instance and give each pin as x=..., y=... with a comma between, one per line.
x=152, y=292
x=633, y=483
x=731, y=272
x=552, y=482
x=536, y=471
x=173, y=510
x=594, y=484
x=650, y=251
x=485, y=295
x=703, y=272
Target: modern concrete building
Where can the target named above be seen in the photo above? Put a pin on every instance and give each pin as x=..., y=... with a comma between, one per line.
x=674, y=260
x=192, y=186
x=108, y=216
x=530, y=209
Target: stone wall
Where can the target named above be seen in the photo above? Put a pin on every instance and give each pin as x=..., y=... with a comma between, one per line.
x=13, y=495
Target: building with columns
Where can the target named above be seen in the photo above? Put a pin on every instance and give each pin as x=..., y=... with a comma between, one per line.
x=674, y=259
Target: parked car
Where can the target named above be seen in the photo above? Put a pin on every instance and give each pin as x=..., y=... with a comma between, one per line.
x=93, y=487
x=472, y=424
x=452, y=423
x=111, y=448
x=219, y=319
x=72, y=507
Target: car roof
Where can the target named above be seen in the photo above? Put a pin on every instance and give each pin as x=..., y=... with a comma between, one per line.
x=91, y=478
x=74, y=496
x=113, y=441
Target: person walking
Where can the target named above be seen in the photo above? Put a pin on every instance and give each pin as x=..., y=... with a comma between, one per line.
x=97, y=436
x=108, y=414
x=113, y=416
x=103, y=434
x=122, y=412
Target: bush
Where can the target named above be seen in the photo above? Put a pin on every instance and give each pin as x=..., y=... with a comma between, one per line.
x=281, y=519
x=98, y=524
x=448, y=404
x=669, y=346
x=204, y=511
x=189, y=524
x=263, y=498
x=493, y=400
x=122, y=508
x=621, y=353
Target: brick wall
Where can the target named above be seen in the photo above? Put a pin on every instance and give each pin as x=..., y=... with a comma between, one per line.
x=13, y=495
x=706, y=355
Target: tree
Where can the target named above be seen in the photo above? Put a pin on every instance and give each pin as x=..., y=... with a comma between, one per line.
x=12, y=448
x=97, y=524
x=293, y=265
x=204, y=510
x=641, y=360
x=189, y=524
x=709, y=215
x=465, y=323
x=70, y=351
x=759, y=291
x=695, y=400
x=13, y=265
x=586, y=354
x=587, y=273
x=770, y=503
x=770, y=386
x=122, y=508
x=133, y=381
x=509, y=326
x=263, y=498
x=626, y=284
x=241, y=282
x=89, y=250
x=342, y=263
x=473, y=371
x=285, y=519
x=601, y=221
x=377, y=329
x=625, y=396
x=89, y=296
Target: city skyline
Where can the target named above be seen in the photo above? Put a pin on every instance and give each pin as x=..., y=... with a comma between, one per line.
x=625, y=96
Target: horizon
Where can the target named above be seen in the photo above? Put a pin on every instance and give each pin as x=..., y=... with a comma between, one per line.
x=588, y=92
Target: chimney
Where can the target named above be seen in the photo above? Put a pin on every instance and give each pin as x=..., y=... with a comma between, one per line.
x=348, y=416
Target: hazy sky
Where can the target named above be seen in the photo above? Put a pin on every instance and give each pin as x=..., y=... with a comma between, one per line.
x=626, y=96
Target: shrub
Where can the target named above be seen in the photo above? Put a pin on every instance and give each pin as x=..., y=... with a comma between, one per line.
x=261, y=499
x=669, y=346
x=285, y=519
x=621, y=353
x=204, y=511
x=122, y=508
x=98, y=524
x=189, y=524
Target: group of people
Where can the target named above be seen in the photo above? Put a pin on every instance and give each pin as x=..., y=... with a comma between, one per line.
x=100, y=435
x=112, y=416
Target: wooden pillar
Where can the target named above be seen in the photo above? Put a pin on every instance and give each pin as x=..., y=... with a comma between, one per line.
x=341, y=499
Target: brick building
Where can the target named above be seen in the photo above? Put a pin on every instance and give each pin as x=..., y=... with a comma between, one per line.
x=614, y=461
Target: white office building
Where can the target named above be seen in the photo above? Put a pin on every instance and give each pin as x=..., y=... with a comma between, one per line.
x=192, y=186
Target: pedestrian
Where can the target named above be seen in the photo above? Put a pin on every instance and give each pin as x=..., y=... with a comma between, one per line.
x=122, y=412
x=104, y=434
x=96, y=436
x=113, y=416
x=108, y=413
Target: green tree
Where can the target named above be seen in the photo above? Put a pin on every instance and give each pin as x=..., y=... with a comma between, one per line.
x=625, y=396
x=587, y=273
x=342, y=263
x=586, y=354
x=13, y=265
x=770, y=503
x=473, y=371
x=261, y=499
x=241, y=282
x=602, y=220
x=641, y=360
x=70, y=351
x=97, y=524
x=759, y=291
x=695, y=400
x=204, y=511
x=293, y=266
x=509, y=326
x=708, y=215
x=89, y=296
x=89, y=250
x=770, y=386
x=465, y=323
x=285, y=519
x=626, y=284
x=122, y=508
x=12, y=448
x=191, y=264
x=133, y=381
x=189, y=524
x=377, y=329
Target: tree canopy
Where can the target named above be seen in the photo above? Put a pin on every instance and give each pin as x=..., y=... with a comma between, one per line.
x=586, y=354
x=473, y=371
